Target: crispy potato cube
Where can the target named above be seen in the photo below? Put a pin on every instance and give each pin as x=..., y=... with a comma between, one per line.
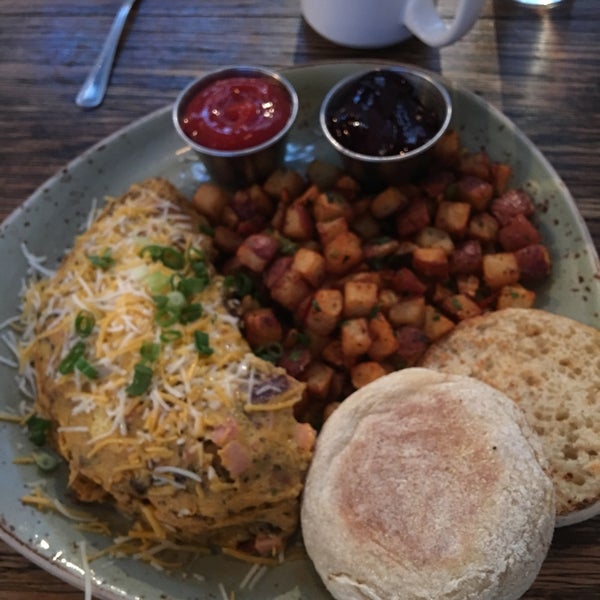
x=360, y=298
x=284, y=181
x=227, y=241
x=500, y=269
x=348, y=186
x=331, y=205
x=436, y=324
x=262, y=327
x=388, y=202
x=432, y=237
x=318, y=379
x=386, y=299
x=364, y=372
x=383, y=338
x=501, y=174
x=343, y=253
x=447, y=148
x=483, y=227
x=290, y=290
x=328, y=230
x=366, y=226
x=515, y=296
x=408, y=312
x=413, y=218
x=474, y=191
x=209, y=200
x=477, y=164
x=355, y=337
x=324, y=311
x=431, y=262
x=322, y=174
x=453, y=217
x=468, y=285
x=461, y=307
x=332, y=353
x=310, y=264
x=297, y=223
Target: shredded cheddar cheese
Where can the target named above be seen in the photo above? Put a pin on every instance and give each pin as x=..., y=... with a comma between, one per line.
x=197, y=443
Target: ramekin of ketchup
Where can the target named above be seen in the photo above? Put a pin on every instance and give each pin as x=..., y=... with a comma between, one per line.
x=237, y=120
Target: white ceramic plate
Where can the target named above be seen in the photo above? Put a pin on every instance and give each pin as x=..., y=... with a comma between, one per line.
x=54, y=215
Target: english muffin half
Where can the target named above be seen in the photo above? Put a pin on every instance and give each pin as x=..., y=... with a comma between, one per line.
x=550, y=366
x=427, y=485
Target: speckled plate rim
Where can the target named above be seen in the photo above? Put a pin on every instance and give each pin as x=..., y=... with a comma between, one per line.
x=53, y=215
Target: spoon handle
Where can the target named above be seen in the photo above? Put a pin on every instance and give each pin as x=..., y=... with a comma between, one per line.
x=93, y=89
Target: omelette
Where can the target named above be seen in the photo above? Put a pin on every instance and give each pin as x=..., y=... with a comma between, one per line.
x=156, y=401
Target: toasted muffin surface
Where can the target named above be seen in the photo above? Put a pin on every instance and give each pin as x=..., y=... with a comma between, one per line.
x=550, y=366
x=427, y=485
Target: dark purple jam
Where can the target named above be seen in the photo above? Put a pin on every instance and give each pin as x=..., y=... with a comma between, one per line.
x=380, y=115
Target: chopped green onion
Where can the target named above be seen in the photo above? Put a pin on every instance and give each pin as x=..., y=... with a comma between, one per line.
x=199, y=268
x=196, y=254
x=37, y=429
x=149, y=351
x=46, y=461
x=166, y=316
x=191, y=285
x=155, y=251
x=81, y=364
x=271, y=352
x=202, y=343
x=175, y=299
x=157, y=282
x=190, y=313
x=172, y=258
x=84, y=323
x=240, y=284
x=142, y=378
x=103, y=261
x=170, y=335
x=161, y=302
x=67, y=364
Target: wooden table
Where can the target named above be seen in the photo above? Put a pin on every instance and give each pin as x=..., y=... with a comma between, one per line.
x=540, y=67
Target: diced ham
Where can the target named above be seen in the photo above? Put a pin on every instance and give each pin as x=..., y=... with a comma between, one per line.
x=413, y=218
x=225, y=432
x=235, y=457
x=466, y=259
x=304, y=436
x=519, y=233
x=533, y=261
x=512, y=203
x=257, y=251
x=412, y=343
x=276, y=270
x=295, y=360
x=406, y=283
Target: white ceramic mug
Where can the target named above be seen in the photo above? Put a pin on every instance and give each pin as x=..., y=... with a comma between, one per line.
x=378, y=23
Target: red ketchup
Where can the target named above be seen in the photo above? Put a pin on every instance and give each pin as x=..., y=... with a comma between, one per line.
x=236, y=113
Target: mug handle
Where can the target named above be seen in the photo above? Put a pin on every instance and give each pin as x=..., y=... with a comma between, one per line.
x=422, y=19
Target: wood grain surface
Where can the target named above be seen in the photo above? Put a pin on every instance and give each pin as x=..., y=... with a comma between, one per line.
x=540, y=67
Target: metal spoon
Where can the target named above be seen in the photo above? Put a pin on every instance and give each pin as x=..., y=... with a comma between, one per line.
x=93, y=89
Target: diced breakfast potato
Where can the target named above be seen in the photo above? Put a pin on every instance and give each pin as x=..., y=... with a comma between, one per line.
x=365, y=372
x=324, y=311
x=353, y=283
x=360, y=298
x=515, y=296
x=500, y=269
x=355, y=337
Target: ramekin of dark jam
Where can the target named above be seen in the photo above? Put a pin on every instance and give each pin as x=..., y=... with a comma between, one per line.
x=383, y=122
x=237, y=119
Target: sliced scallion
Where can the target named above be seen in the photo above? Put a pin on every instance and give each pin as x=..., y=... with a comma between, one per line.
x=270, y=352
x=202, y=344
x=142, y=378
x=67, y=364
x=172, y=258
x=170, y=335
x=37, y=429
x=149, y=351
x=84, y=323
x=166, y=316
x=102, y=261
x=82, y=365
x=46, y=461
x=190, y=313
